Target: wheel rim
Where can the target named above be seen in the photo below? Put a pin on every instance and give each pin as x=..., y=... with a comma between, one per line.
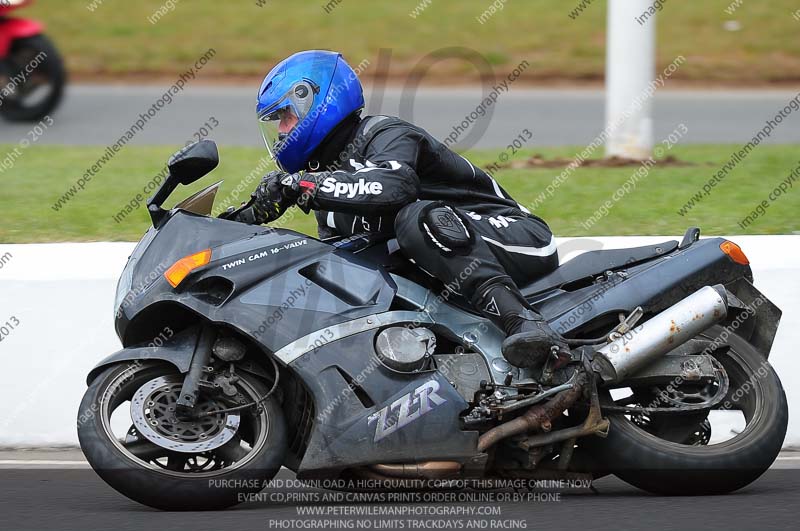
x=226, y=447
x=37, y=86
x=154, y=414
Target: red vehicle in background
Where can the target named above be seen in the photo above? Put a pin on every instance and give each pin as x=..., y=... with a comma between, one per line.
x=32, y=74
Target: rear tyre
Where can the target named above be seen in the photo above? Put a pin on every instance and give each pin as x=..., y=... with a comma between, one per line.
x=689, y=465
x=42, y=88
x=160, y=477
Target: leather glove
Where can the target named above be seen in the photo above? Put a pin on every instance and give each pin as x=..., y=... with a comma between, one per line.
x=269, y=200
x=280, y=190
x=300, y=189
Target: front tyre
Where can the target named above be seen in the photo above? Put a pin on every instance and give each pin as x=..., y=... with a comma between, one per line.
x=211, y=462
x=678, y=455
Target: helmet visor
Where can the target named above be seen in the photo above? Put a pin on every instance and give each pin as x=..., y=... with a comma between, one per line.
x=278, y=121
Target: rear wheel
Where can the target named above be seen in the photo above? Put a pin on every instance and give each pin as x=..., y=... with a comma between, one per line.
x=34, y=79
x=130, y=434
x=711, y=451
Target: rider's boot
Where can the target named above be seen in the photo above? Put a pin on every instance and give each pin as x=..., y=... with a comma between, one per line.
x=529, y=339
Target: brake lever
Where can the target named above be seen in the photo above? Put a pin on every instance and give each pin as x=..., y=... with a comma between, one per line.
x=232, y=213
x=247, y=216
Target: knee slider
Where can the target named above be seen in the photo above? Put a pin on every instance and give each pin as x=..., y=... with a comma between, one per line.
x=445, y=228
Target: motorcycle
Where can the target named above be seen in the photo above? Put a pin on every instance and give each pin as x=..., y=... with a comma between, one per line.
x=32, y=74
x=248, y=348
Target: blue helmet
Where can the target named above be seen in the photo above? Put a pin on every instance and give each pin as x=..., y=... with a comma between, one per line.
x=301, y=100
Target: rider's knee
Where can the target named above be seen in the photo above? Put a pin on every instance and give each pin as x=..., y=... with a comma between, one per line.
x=435, y=225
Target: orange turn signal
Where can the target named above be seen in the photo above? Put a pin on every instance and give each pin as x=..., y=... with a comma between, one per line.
x=734, y=252
x=181, y=269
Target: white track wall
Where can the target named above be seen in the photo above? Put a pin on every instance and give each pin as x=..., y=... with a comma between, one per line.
x=62, y=295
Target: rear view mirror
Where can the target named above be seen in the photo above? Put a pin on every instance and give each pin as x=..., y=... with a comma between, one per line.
x=193, y=161
x=185, y=167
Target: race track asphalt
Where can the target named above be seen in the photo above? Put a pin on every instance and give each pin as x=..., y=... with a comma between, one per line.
x=100, y=114
x=74, y=498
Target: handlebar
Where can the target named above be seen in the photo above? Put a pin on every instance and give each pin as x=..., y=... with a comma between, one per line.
x=243, y=214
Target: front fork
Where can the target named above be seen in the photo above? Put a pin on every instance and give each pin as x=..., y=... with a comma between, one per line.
x=191, y=384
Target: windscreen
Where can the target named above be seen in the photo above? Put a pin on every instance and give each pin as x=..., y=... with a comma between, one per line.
x=202, y=202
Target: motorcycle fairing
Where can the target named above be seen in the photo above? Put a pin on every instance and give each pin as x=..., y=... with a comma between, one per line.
x=351, y=388
x=654, y=285
x=591, y=263
x=276, y=285
x=12, y=29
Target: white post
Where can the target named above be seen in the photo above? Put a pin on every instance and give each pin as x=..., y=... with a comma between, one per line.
x=630, y=68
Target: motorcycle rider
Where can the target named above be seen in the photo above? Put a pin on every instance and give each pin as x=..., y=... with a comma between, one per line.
x=382, y=174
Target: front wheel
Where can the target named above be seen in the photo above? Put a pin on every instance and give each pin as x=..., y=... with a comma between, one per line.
x=132, y=437
x=712, y=451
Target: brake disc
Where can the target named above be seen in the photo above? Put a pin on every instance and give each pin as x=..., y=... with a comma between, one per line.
x=153, y=411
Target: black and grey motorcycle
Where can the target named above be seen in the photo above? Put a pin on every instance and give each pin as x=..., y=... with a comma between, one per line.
x=248, y=348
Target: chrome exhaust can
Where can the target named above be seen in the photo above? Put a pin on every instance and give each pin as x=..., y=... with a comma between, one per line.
x=669, y=329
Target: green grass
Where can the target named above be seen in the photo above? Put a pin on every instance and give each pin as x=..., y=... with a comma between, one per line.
x=117, y=38
x=42, y=173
